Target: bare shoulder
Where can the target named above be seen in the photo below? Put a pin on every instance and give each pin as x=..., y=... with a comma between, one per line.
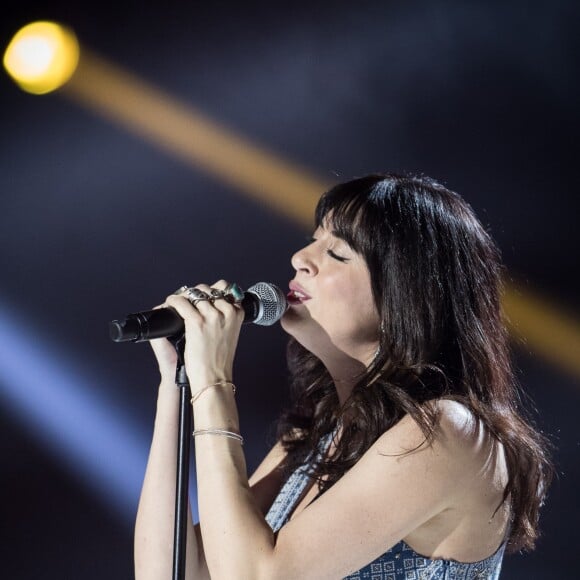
x=455, y=424
x=467, y=434
x=459, y=438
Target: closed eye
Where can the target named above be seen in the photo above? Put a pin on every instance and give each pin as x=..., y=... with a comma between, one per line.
x=336, y=256
x=312, y=239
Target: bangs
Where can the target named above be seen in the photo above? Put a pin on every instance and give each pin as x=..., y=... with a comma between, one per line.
x=350, y=213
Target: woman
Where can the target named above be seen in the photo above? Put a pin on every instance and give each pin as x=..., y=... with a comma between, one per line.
x=404, y=452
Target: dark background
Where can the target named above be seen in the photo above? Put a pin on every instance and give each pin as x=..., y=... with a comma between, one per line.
x=96, y=222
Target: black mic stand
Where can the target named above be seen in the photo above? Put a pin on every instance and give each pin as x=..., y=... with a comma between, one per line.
x=182, y=466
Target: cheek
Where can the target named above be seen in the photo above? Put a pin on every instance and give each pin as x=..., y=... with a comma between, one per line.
x=366, y=318
x=350, y=309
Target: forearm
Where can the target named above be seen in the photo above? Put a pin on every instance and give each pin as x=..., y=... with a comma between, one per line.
x=155, y=516
x=238, y=541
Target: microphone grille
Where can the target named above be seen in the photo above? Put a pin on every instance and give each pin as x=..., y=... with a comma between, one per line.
x=272, y=302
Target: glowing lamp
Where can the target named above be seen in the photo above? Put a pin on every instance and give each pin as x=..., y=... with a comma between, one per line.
x=42, y=57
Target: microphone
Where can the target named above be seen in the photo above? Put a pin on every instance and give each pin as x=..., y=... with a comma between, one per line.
x=263, y=304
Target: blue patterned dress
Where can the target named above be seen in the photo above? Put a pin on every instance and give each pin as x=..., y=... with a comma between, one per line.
x=400, y=562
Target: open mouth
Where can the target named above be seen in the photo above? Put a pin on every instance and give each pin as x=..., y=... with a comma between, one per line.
x=296, y=294
x=296, y=297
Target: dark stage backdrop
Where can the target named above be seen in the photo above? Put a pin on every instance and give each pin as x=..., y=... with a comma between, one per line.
x=96, y=221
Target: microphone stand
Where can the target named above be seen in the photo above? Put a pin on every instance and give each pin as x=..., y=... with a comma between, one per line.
x=182, y=471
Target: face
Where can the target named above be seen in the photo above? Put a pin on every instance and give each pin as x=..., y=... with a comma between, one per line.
x=332, y=309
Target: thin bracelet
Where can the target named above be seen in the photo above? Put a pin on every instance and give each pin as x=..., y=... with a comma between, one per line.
x=223, y=432
x=218, y=384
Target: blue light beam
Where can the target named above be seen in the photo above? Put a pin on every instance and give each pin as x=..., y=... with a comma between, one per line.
x=71, y=414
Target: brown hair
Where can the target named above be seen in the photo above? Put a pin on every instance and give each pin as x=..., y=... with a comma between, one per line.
x=436, y=281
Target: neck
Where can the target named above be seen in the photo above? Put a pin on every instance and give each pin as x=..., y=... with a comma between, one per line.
x=345, y=373
x=346, y=364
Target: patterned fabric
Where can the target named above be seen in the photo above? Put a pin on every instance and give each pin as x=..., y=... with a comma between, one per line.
x=401, y=562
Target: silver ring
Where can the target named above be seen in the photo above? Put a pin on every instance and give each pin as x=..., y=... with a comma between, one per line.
x=195, y=295
x=180, y=290
x=216, y=294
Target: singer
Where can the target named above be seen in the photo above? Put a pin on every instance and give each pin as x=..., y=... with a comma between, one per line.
x=406, y=452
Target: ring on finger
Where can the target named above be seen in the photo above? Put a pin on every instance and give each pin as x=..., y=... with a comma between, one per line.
x=216, y=294
x=180, y=290
x=195, y=295
x=233, y=293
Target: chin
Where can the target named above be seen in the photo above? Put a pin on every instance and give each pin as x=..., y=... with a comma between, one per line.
x=305, y=331
x=289, y=322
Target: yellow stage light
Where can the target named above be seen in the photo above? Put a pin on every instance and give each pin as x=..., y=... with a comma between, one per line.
x=42, y=57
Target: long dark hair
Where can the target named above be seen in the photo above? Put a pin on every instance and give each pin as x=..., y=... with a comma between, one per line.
x=436, y=280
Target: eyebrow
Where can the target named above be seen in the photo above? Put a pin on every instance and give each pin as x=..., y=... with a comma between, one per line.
x=347, y=239
x=339, y=234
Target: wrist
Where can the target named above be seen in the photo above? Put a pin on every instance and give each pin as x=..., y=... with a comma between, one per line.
x=214, y=406
x=216, y=385
x=167, y=383
x=208, y=377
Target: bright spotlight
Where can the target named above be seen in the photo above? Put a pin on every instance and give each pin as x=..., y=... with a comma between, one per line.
x=42, y=57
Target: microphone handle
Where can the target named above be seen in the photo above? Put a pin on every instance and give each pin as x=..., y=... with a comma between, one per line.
x=165, y=322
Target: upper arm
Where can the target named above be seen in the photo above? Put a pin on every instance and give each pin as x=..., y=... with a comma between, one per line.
x=383, y=498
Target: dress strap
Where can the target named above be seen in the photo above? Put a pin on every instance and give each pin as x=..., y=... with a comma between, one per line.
x=293, y=488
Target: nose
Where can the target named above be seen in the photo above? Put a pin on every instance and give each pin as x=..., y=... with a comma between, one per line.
x=303, y=261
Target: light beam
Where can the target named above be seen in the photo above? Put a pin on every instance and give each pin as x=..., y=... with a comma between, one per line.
x=69, y=412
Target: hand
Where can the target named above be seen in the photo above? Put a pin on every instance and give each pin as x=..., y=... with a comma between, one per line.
x=166, y=356
x=212, y=329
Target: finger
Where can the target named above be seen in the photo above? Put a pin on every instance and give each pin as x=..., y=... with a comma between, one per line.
x=216, y=290
x=227, y=309
x=229, y=291
x=217, y=306
x=205, y=305
x=223, y=303
x=220, y=285
x=183, y=307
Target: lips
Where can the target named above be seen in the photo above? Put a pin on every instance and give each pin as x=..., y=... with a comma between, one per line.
x=297, y=294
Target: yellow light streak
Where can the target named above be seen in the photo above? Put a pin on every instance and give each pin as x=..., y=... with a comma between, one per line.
x=544, y=328
x=187, y=133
